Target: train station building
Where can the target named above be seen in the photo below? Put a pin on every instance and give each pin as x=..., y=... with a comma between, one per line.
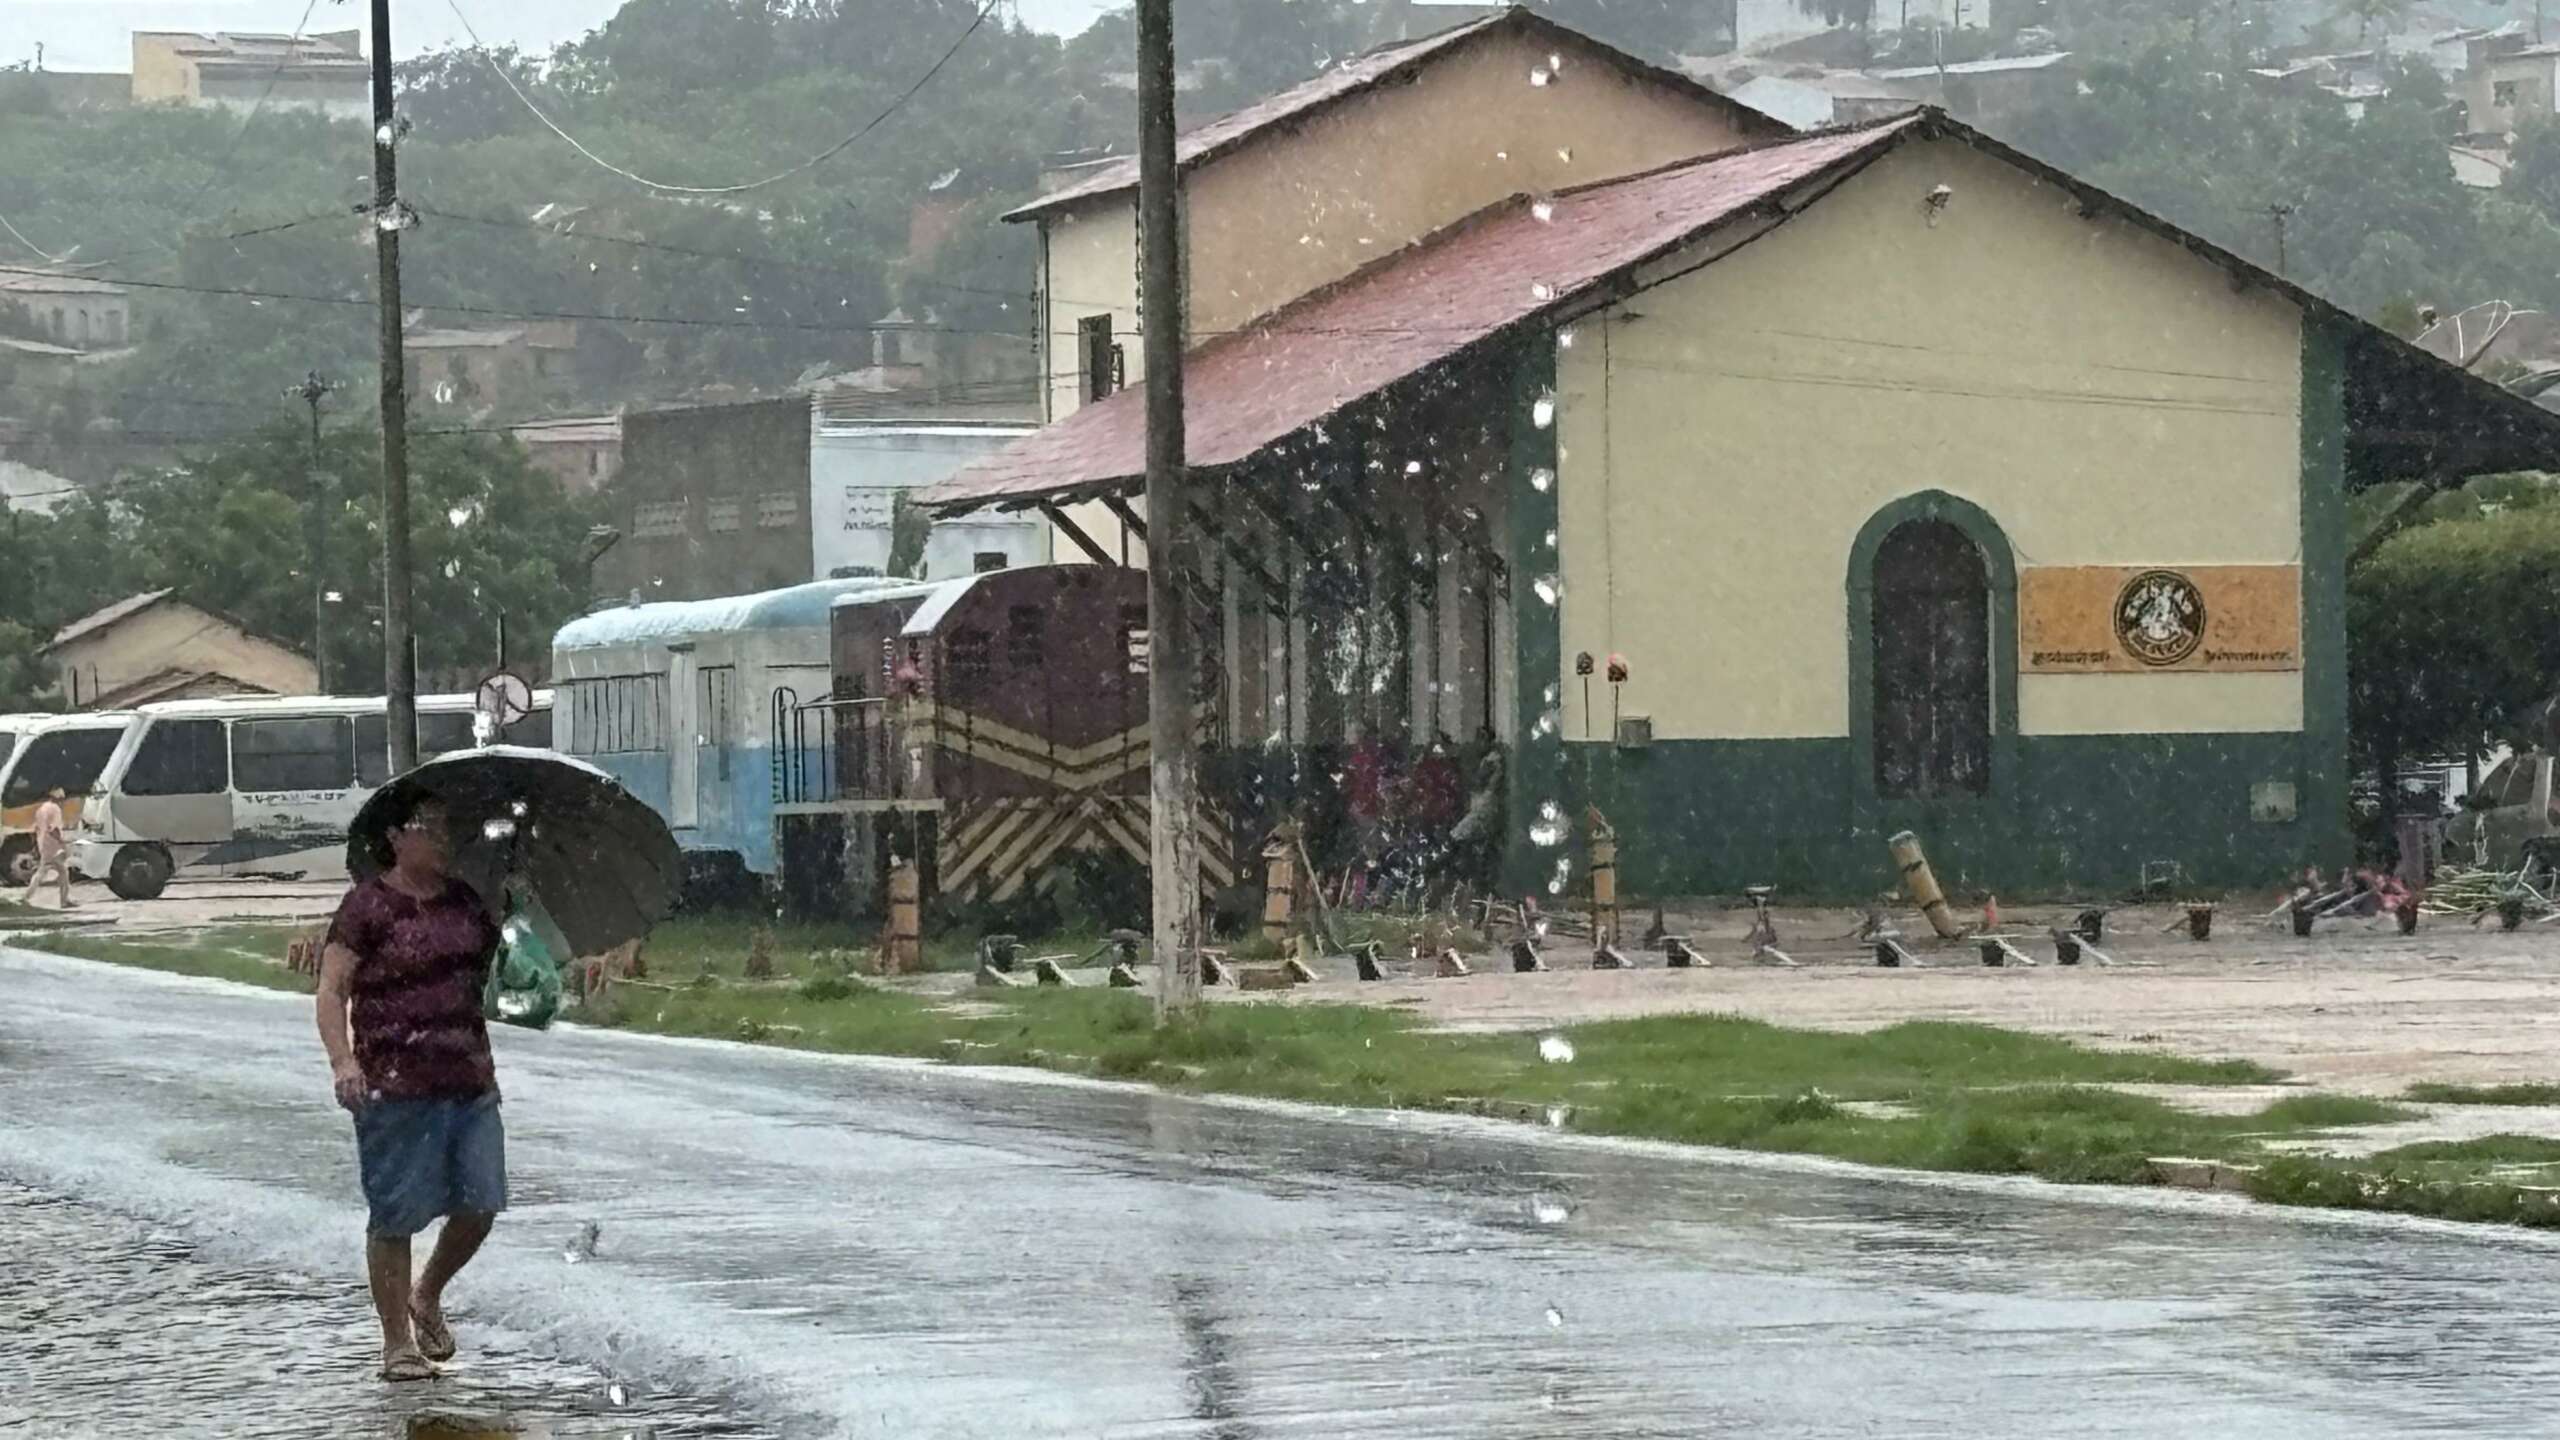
x=1907, y=483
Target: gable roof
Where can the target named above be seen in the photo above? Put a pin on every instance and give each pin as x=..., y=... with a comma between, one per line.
x=1513, y=262
x=1360, y=74
x=1522, y=263
x=124, y=609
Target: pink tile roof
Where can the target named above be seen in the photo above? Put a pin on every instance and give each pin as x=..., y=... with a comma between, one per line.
x=1507, y=264
x=1359, y=73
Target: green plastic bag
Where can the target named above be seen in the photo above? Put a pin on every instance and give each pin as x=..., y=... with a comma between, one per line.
x=524, y=979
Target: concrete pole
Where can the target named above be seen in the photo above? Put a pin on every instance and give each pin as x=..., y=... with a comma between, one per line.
x=311, y=392
x=399, y=656
x=1172, y=691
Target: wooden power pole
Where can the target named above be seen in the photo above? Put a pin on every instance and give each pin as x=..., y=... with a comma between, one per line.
x=1172, y=661
x=390, y=217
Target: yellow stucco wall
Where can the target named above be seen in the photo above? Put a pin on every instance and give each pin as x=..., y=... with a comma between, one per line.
x=1299, y=208
x=1092, y=270
x=158, y=73
x=179, y=637
x=1291, y=212
x=2105, y=396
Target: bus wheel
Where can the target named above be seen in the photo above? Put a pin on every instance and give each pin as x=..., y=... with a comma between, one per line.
x=139, y=872
x=18, y=862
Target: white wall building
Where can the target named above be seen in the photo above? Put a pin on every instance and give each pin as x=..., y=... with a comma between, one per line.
x=1760, y=24
x=857, y=468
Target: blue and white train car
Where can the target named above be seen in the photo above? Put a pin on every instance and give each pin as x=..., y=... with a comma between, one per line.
x=676, y=700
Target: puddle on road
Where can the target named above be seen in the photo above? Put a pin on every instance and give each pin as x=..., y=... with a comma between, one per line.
x=117, y=1328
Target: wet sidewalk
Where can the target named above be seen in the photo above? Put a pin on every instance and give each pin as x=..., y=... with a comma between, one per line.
x=115, y=1327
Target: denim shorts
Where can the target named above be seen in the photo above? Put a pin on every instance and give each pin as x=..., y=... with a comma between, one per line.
x=424, y=1159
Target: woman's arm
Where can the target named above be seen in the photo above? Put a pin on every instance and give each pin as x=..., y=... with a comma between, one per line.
x=346, y=1076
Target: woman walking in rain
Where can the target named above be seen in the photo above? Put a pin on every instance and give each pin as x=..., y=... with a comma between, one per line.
x=401, y=977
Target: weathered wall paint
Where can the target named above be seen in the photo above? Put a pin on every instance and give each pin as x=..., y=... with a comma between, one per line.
x=1361, y=179
x=2106, y=396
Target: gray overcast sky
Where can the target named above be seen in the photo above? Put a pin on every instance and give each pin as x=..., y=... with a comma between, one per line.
x=93, y=34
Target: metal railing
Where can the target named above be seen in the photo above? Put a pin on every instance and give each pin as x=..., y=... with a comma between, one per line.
x=830, y=750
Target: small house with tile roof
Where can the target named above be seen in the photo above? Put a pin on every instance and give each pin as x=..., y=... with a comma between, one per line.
x=156, y=646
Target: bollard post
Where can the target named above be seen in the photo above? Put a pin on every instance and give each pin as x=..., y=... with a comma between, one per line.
x=903, y=954
x=1604, y=880
x=1922, y=884
x=1279, y=885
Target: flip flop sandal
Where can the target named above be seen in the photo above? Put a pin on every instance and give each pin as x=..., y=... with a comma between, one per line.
x=435, y=1337
x=407, y=1365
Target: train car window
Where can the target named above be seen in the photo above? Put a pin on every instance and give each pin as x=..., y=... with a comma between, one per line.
x=619, y=716
x=987, y=562
x=72, y=759
x=313, y=753
x=8, y=745
x=181, y=757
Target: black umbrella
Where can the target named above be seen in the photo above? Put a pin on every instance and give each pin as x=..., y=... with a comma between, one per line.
x=601, y=862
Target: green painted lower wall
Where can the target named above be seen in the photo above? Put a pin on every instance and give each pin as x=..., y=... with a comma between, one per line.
x=2079, y=816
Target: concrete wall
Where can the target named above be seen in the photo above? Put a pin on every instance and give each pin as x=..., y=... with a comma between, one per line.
x=855, y=472
x=172, y=636
x=2104, y=395
x=2534, y=77
x=82, y=321
x=725, y=475
x=159, y=74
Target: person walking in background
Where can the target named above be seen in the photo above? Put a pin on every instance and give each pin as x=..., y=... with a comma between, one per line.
x=401, y=977
x=52, y=852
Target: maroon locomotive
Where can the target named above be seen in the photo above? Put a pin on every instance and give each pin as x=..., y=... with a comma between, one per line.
x=1000, y=720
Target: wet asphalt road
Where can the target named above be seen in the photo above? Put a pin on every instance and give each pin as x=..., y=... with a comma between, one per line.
x=811, y=1246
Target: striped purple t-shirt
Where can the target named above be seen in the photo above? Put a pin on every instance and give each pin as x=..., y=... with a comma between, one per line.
x=414, y=994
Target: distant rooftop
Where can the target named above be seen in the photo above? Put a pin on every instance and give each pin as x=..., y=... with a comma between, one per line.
x=17, y=281
x=338, y=49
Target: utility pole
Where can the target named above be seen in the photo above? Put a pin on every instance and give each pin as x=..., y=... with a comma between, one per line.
x=390, y=217
x=1172, y=666
x=311, y=392
x=2282, y=214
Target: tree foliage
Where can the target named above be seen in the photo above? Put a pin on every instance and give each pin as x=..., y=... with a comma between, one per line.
x=2454, y=624
x=229, y=531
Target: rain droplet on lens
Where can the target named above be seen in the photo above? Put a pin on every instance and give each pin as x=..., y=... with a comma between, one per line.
x=1543, y=413
x=1548, y=1211
x=1549, y=588
x=1555, y=1318
x=1542, y=480
x=1543, y=211
x=620, y=1396
x=1540, y=75
x=1555, y=1050
x=1549, y=829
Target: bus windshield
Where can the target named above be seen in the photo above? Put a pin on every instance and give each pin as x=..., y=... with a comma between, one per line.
x=71, y=759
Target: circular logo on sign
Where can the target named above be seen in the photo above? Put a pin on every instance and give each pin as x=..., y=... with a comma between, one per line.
x=2160, y=617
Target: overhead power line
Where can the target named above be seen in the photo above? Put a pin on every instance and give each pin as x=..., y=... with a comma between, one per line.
x=813, y=162
x=38, y=250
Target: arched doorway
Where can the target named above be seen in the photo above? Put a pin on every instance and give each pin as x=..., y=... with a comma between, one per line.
x=1932, y=683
